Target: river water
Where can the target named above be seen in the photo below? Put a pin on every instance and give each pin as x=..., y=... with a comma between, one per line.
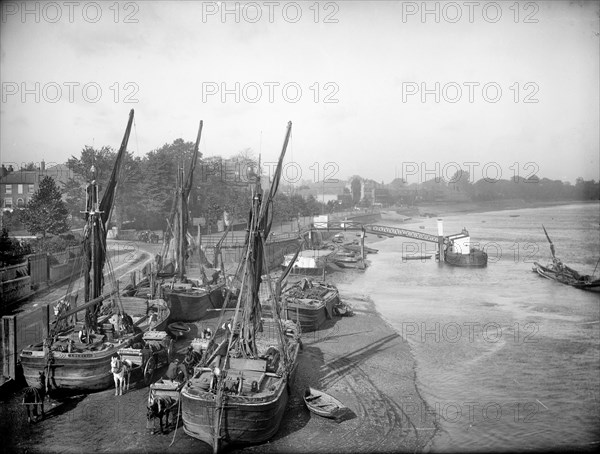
x=506, y=360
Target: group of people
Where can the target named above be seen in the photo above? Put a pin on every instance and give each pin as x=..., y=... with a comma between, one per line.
x=180, y=371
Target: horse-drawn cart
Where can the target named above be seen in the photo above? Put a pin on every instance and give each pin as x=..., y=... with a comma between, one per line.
x=156, y=352
x=163, y=400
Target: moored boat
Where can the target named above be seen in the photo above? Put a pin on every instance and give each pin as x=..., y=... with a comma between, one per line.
x=307, y=302
x=322, y=404
x=475, y=258
x=460, y=252
x=417, y=257
x=238, y=395
x=559, y=272
x=188, y=299
x=77, y=355
x=356, y=248
x=308, y=262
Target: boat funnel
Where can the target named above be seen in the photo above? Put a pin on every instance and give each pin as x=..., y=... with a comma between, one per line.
x=440, y=224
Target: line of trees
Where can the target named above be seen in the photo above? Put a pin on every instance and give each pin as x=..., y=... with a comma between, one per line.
x=147, y=186
x=461, y=188
x=145, y=194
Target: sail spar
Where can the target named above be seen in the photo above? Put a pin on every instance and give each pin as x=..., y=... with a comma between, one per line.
x=260, y=222
x=179, y=218
x=97, y=217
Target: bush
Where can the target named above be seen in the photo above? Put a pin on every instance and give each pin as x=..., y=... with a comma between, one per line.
x=56, y=243
x=11, y=249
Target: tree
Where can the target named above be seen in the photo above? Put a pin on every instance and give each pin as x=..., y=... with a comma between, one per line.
x=355, y=187
x=103, y=161
x=46, y=212
x=131, y=189
x=157, y=182
x=29, y=166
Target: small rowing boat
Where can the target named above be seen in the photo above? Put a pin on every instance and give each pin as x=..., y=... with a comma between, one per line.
x=416, y=257
x=323, y=404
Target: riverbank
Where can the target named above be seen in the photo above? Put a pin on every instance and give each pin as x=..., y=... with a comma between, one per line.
x=455, y=208
x=360, y=360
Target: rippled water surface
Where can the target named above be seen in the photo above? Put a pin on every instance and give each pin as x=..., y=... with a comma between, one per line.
x=506, y=360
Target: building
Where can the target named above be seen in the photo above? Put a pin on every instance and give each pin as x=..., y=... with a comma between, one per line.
x=376, y=193
x=324, y=192
x=18, y=186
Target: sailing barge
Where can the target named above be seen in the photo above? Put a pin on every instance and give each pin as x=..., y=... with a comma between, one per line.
x=76, y=356
x=308, y=302
x=239, y=394
x=188, y=299
x=559, y=272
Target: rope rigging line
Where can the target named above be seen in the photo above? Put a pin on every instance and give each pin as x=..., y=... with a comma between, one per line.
x=177, y=423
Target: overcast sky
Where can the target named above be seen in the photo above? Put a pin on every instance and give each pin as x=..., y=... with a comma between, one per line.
x=516, y=83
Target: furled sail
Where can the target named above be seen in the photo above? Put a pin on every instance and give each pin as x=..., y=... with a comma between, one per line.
x=97, y=216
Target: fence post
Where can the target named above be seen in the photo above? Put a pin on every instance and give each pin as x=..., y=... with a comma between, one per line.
x=9, y=346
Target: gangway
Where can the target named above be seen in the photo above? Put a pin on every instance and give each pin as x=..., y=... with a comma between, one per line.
x=440, y=239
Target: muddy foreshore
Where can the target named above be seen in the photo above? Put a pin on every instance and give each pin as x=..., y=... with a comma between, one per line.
x=360, y=360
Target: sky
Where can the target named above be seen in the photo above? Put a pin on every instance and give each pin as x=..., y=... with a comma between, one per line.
x=378, y=89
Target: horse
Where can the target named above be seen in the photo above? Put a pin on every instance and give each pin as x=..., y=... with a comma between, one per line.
x=33, y=399
x=121, y=370
x=159, y=406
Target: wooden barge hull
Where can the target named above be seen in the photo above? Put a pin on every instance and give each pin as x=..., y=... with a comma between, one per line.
x=310, y=316
x=188, y=306
x=71, y=371
x=89, y=370
x=242, y=422
x=548, y=273
x=243, y=419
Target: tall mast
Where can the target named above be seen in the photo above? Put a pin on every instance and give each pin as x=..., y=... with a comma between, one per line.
x=97, y=215
x=182, y=233
x=180, y=210
x=261, y=219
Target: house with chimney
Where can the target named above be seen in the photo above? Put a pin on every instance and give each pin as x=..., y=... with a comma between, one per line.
x=18, y=186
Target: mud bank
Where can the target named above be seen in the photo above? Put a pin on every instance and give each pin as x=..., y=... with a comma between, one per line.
x=359, y=359
x=455, y=208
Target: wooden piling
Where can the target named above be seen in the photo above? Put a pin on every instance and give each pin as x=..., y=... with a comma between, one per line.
x=9, y=346
x=362, y=243
x=45, y=310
